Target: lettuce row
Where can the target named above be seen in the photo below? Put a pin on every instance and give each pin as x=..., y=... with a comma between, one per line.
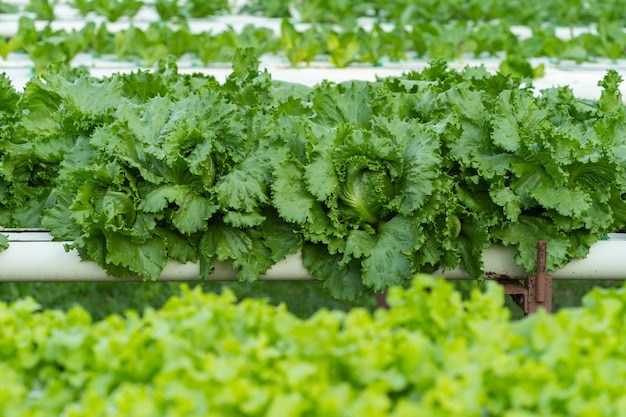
x=345, y=13
x=371, y=181
x=321, y=42
x=431, y=353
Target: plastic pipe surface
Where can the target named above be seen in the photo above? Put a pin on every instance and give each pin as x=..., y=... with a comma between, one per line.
x=606, y=260
x=33, y=256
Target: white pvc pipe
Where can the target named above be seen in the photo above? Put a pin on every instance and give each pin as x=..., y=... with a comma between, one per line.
x=33, y=256
x=606, y=260
x=498, y=262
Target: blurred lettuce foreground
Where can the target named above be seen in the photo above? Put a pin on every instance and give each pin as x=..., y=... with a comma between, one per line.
x=431, y=353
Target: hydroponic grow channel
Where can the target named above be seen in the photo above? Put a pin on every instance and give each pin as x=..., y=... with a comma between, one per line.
x=34, y=256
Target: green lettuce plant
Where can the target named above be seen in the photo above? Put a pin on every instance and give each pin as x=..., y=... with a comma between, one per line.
x=431, y=353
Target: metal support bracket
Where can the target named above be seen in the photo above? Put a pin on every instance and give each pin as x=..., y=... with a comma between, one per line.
x=536, y=291
x=381, y=300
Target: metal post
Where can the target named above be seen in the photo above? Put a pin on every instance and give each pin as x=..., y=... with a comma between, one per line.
x=541, y=271
x=539, y=285
x=381, y=300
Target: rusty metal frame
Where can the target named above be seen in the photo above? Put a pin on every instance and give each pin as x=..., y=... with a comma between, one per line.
x=533, y=293
x=536, y=290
